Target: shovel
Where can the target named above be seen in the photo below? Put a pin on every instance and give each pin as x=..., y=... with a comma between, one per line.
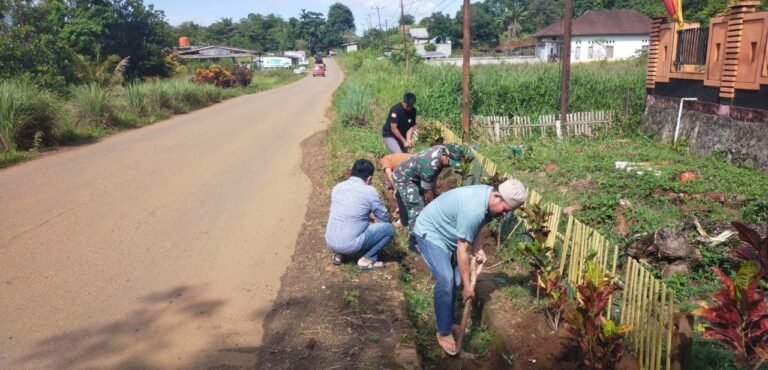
x=474, y=271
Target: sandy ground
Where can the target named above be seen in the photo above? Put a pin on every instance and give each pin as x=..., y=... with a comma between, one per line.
x=161, y=247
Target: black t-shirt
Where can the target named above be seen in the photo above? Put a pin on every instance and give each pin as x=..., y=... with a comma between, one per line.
x=405, y=120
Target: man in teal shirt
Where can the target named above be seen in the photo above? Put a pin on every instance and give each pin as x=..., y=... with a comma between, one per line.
x=446, y=234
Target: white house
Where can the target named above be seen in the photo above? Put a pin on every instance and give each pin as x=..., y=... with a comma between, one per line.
x=350, y=47
x=420, y=37
x=597, y=35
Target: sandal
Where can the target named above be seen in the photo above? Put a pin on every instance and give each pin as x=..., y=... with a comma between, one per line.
x=445, y=346
x=337, y=259
x=372, y=266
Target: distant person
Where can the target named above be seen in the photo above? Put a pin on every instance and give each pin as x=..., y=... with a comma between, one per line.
x=416, y=178
x=388, y=164
x=400, y=124
x=348, y=231
x=446, y=236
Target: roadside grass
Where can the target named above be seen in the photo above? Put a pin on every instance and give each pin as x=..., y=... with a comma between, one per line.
x=32, y=119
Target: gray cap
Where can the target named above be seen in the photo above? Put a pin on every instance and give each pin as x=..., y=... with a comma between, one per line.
x=513, y=192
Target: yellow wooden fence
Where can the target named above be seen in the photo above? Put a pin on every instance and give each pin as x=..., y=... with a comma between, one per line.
x=646, y=303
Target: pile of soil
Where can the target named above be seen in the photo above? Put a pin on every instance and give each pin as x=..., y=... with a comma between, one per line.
x=328, y=316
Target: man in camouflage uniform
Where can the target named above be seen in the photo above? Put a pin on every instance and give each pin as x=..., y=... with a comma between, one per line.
x=418, y=175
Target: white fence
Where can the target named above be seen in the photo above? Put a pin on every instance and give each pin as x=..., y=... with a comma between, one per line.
x=587, y=124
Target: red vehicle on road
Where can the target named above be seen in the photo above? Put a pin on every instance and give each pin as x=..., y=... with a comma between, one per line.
x=319, y=70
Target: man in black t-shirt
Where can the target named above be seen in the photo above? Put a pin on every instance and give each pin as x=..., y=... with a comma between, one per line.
x=399, y=126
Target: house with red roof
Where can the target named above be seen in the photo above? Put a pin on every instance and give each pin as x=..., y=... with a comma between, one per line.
x=597, y=35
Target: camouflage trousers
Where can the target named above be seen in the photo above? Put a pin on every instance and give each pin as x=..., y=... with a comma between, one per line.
x=412, y=197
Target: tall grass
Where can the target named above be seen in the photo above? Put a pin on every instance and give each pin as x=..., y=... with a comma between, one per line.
x=519, y=89
x=352, y=104
x=92, y=105
x=136, y=99
x=27, y=115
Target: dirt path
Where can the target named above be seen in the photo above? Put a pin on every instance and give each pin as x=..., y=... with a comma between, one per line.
x=161, y=247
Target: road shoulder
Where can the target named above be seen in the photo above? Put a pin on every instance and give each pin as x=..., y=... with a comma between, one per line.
x=334, y=316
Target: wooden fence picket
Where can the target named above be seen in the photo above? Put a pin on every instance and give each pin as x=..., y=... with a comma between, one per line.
x=647, y=304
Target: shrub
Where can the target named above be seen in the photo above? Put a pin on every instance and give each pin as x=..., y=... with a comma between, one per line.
x=738, y=318
x=27, y=116
x=430, y=47
x=136, y=99
x=243, y=76
x=353, y=105
x=214, y=75
x=599, y=339
x=92, y=104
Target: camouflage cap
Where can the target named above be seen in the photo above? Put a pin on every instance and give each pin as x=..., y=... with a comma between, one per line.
x=456, y=152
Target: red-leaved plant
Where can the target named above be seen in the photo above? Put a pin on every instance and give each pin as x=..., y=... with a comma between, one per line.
x=599, y=339
x=756, y=248
x=738, y=317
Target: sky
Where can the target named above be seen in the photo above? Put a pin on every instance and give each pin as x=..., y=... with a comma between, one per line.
x=206, y=12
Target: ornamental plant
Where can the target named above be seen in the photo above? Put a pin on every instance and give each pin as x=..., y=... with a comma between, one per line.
x=541, y=257
x=599, y=339
x=738, y=316
x=243, y=76
x=755, y=248
x=214, y=75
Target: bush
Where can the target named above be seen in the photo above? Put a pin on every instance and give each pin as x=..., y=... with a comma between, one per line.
x=430, y=47
x=27, y=116
x=353, y=105
x=243, y=76
x=214, y=75
x=136, y=99
x=91, y=104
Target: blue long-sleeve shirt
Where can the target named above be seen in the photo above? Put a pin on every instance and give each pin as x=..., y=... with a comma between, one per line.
x=352, y=201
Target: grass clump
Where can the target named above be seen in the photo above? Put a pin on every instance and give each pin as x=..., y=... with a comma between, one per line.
x=92, y=104
x=27, y=116
x=352, y=105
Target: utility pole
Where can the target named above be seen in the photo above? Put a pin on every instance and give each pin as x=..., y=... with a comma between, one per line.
x=566, y=62
x=378, y=14
x=465, y=72
x=402, y=28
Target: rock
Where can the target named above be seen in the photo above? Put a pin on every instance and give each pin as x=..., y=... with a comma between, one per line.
x=677, y=267
x=672, y=244
x=716, y=197
x=640, y=248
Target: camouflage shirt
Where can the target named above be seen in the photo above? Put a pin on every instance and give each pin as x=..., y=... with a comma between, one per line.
x=421, y=169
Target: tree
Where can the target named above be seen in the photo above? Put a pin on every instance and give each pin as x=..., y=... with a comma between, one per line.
x=197, y=34
x=484, y=28
x=222, y=31
x=441, y=26
x=407, y=19
x=340, y=18
x=311, y=29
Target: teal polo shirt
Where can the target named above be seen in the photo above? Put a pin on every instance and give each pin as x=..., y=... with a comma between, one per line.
x=455, y=214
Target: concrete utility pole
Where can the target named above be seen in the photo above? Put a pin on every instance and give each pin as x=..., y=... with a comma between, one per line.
x=465, y=72
x=402, y=28
x=566, y=62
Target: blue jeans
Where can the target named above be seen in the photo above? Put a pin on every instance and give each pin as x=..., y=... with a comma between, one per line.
x=377, y=236
x=446, y=271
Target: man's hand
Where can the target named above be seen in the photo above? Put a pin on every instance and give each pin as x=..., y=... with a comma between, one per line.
x=480, y=257
x=467, y=293
x=429, y=195
x=408, y=144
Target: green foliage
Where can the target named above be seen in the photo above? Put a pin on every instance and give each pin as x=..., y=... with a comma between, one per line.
x=352, y=105
x=91, y=104
x=756, y=212
x=430, y=47
x=27, y=116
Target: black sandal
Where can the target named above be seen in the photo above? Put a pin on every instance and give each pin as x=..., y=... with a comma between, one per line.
x=337, y=259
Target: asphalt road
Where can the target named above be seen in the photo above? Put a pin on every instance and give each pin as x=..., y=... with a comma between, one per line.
x=160, y=247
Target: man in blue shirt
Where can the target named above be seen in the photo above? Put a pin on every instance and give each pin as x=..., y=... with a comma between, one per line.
x=348, y=231
x=446, y=235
